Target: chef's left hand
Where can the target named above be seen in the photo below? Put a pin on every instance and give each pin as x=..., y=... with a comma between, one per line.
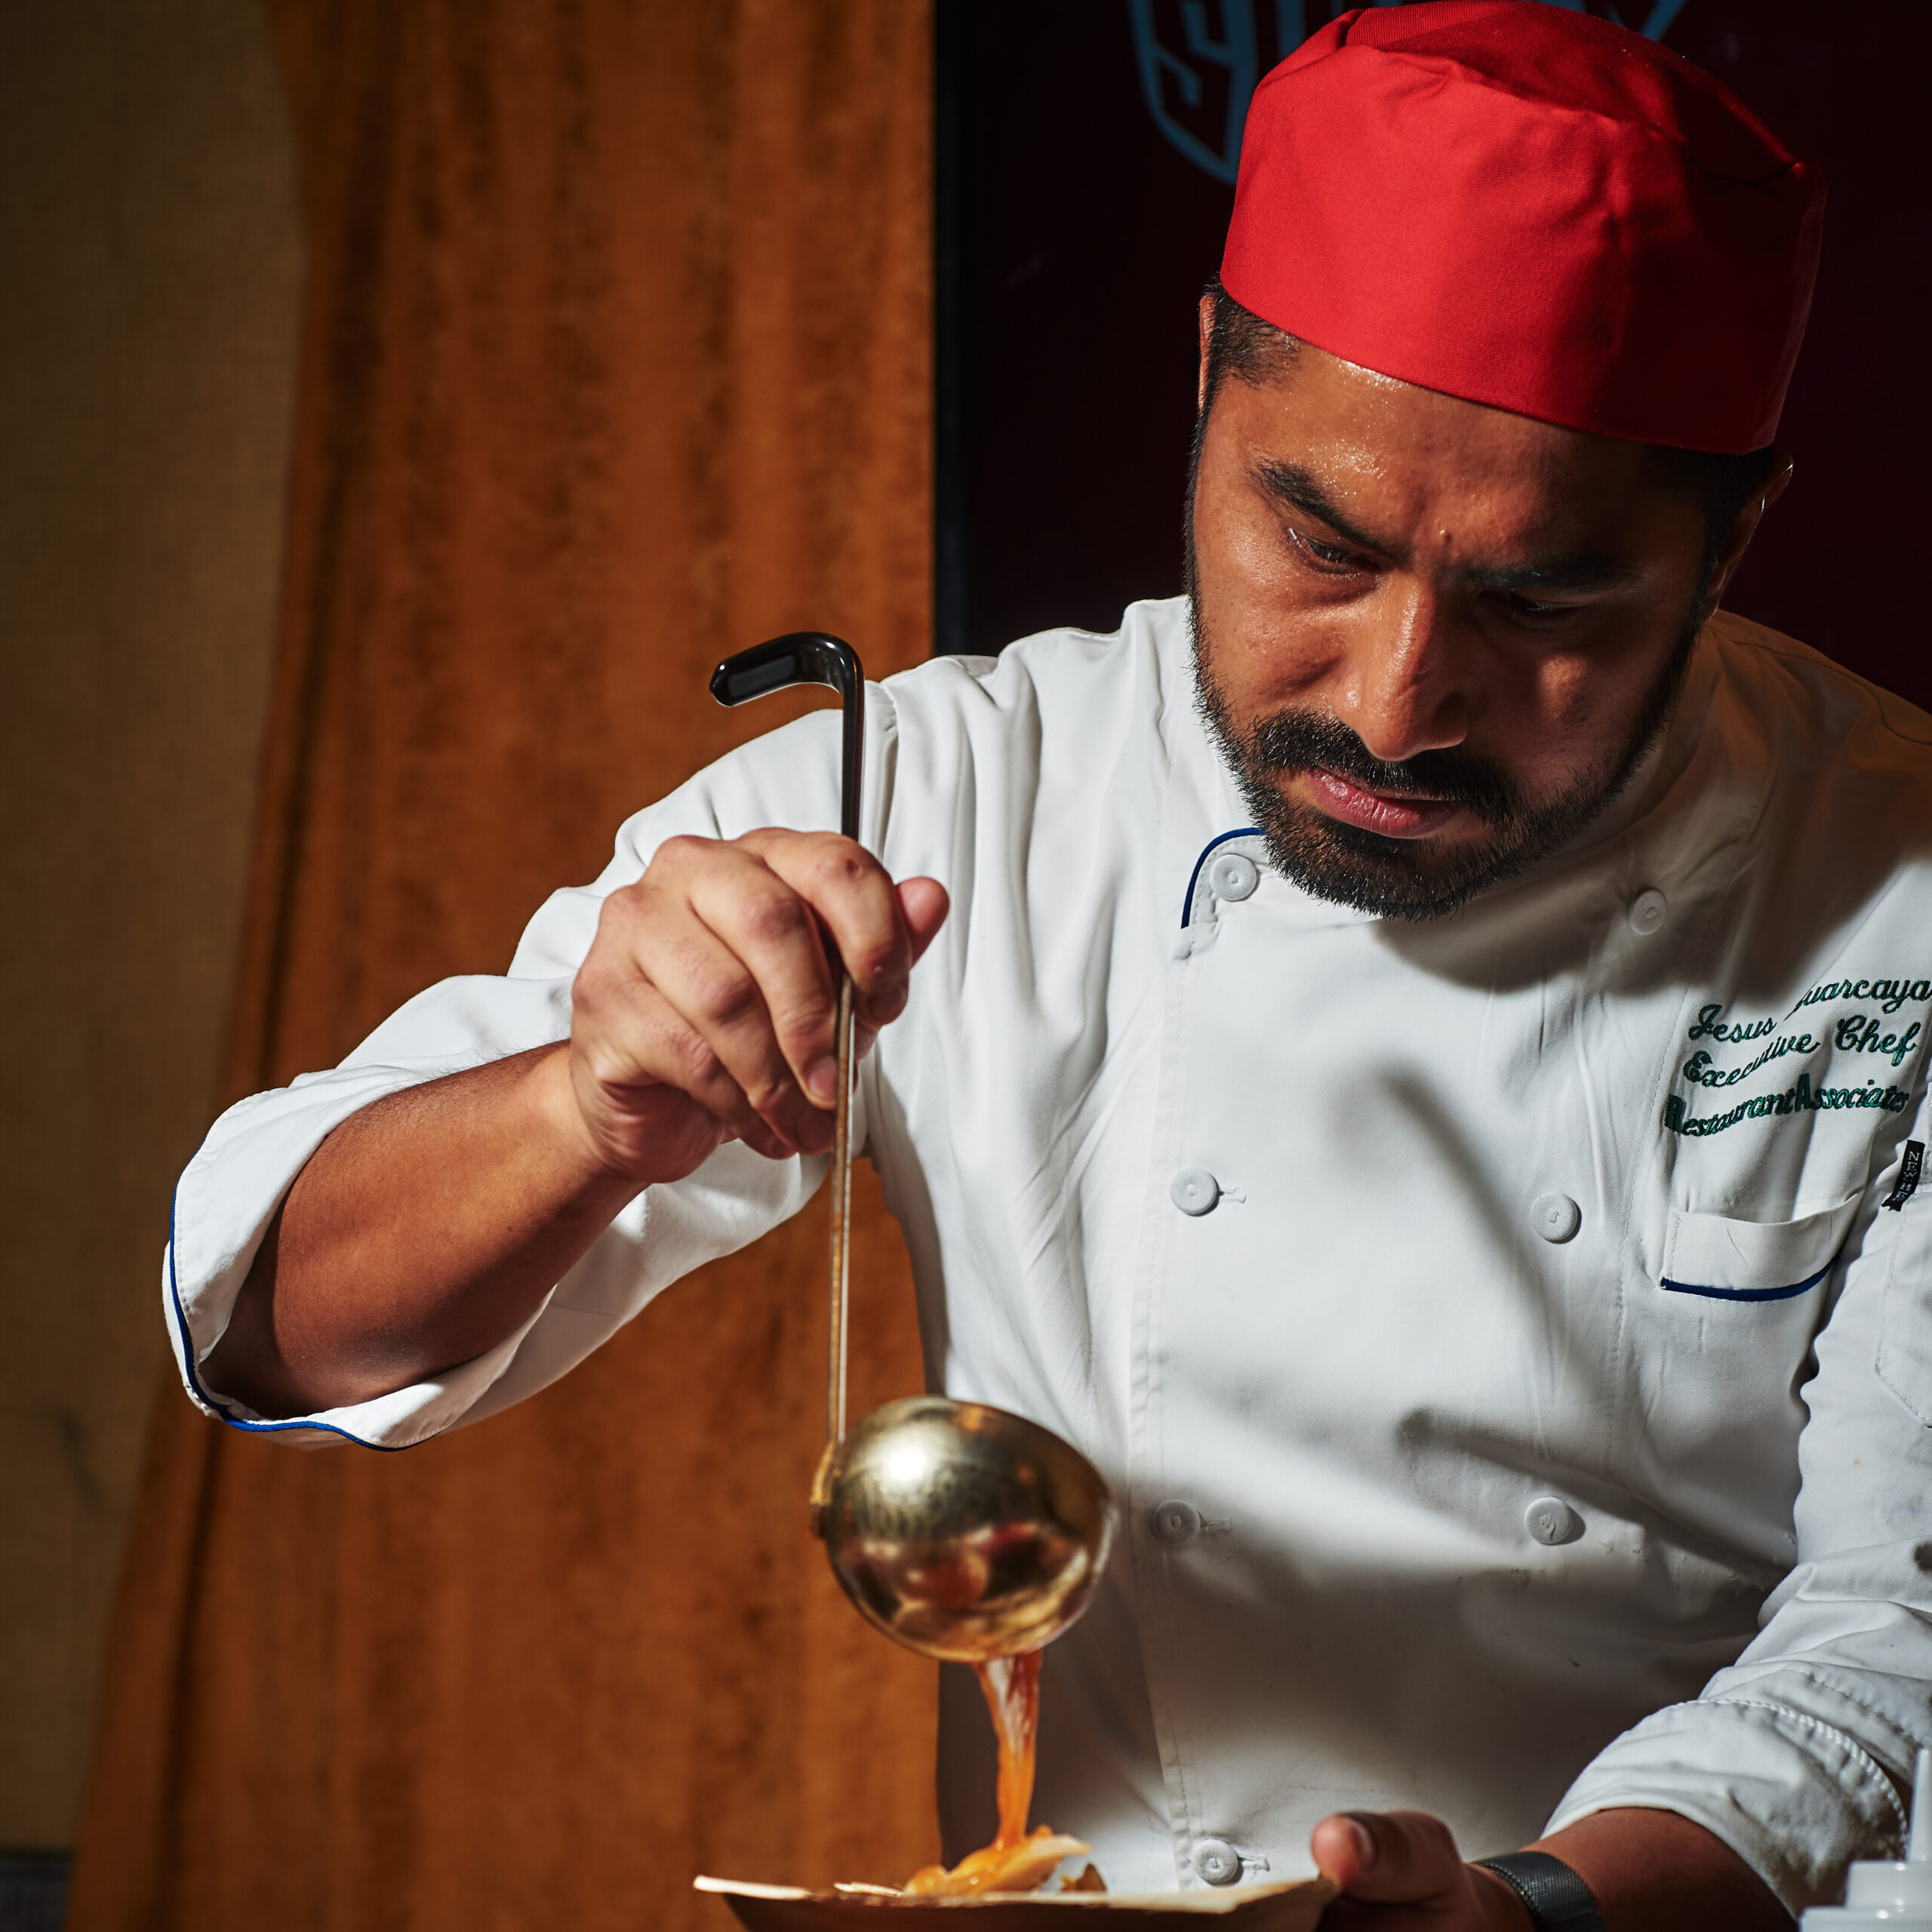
x=1400, y=1872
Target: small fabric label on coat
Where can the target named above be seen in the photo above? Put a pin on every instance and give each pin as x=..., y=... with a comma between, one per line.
x=1907, y=1183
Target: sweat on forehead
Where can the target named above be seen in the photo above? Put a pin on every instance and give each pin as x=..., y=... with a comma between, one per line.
x=1529, y=208
x=1242, y=346
x=1547, y=567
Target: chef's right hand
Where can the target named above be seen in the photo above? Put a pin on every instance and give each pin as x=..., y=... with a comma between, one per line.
x=705, y=1009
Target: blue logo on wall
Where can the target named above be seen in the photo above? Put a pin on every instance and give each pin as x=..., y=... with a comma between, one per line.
x=1199, y=60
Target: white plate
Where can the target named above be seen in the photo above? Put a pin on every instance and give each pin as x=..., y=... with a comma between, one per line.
x=1289, y=1908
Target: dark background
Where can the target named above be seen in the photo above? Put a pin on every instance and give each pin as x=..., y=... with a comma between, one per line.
x=1074, y=235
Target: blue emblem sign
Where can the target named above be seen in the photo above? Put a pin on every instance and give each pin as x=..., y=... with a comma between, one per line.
x=1199, y=60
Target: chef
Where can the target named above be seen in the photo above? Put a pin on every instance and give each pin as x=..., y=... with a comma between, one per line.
x=1413, y=1057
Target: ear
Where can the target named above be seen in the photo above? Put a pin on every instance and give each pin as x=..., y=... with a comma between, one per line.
x=1207, y=330
x=1743, y=531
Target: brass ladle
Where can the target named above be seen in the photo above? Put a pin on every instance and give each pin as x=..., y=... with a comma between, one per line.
x=960, y=1530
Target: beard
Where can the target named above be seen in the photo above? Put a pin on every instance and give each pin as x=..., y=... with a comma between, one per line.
x=1405, y=878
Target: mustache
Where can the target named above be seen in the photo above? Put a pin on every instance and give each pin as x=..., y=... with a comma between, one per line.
x=1293, y=741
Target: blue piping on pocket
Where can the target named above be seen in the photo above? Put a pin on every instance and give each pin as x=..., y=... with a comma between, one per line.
x=1194, y=877
x=218, y=1405
x=1752, y=1295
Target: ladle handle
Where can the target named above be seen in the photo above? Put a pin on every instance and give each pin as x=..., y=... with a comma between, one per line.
x=842, y=1221
x=816, y=657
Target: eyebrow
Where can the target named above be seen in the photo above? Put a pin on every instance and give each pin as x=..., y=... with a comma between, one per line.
x=1294, y=484
x=1578, y=572
x=1583, y=570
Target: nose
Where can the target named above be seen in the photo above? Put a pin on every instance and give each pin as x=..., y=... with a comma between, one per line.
x=1411, y=686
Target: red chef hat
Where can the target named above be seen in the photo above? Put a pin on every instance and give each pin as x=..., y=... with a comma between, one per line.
x=1533, y=208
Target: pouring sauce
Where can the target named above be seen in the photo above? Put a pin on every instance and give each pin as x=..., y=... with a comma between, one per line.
x=1011, y=1687
x=1016, y=1860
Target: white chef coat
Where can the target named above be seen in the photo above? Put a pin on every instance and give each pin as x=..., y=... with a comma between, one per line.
x=1517, y=1393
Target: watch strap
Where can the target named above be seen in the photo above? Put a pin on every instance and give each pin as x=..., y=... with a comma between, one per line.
x=1556, y=1899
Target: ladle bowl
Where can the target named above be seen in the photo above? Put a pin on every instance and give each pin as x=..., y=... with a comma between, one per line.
x=961, y=1531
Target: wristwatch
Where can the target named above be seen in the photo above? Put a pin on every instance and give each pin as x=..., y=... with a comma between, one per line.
x=1557, y=1900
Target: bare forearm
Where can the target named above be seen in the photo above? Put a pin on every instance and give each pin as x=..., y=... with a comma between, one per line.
x=1649, y=1871
x=1656, y=1872
x=425, y=1230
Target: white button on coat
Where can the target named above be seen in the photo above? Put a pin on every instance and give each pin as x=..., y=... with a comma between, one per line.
x=1194, y=1191
x=1646, y=911
x=1234, y=876
x=1217, y=1862
x=1550, y=1520
x=1176, y=1523
x=1556, y=1216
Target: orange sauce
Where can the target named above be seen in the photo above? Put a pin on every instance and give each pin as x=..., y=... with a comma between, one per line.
x=1011, y=1686
x=1015, y=1860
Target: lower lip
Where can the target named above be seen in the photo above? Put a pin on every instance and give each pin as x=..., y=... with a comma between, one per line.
x=1393, y=817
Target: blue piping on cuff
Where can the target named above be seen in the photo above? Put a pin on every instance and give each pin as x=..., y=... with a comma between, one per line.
x=1193, y=877
x=185, y=1343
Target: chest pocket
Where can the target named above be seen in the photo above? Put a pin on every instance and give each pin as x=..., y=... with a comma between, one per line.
x=1722, y=1260
x=1720, y=1355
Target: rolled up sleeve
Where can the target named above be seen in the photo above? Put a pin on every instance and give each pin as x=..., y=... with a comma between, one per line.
x=1800, y=1756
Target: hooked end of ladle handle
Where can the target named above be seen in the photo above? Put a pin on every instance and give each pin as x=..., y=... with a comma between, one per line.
x=807, y=657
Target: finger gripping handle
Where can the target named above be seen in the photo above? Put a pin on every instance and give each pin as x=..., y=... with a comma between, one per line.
x=807, y=657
